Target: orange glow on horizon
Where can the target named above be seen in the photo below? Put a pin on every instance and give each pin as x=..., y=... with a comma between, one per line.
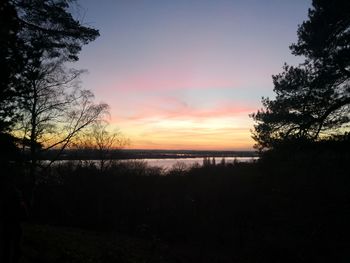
x=212, y=130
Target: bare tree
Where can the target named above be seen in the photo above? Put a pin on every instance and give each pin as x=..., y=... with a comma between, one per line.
x=55, y=110
x=103, y=142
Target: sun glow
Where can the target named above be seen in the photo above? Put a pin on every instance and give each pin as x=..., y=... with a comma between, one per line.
x=207, y=133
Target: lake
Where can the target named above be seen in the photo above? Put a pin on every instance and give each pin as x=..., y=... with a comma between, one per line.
x=167, y=163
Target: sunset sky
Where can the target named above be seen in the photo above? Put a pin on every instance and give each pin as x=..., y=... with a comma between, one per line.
x=185, y=74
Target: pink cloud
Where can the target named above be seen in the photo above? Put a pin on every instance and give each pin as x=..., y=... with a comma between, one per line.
x=172, y=108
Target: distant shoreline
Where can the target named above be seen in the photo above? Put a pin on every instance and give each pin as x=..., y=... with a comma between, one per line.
x=142, y=154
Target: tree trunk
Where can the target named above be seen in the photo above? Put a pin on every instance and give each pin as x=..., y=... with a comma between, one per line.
x=33, y=147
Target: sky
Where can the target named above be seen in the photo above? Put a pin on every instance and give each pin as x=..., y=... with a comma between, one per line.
x=186, y=74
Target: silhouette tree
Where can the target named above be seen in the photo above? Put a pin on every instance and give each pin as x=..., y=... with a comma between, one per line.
x=100, y=140
x=33, y=32
x=178, y=168
x=206, y=161
x=223, y=161
x=50, y=31
x=312, y=100
x=54, y=110
x=11, y=62
x=45, y=94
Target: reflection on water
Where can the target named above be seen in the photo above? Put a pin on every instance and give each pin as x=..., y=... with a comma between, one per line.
x=168, y=163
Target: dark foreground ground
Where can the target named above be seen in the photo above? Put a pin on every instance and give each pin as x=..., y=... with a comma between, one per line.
x=42, y=243
x=286, y=208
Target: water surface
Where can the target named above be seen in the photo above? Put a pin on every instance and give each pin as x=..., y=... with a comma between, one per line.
x=169, y=162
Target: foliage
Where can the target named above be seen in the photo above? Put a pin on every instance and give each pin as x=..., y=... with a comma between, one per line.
x=11, y=62
x=50, y=31
x=34, y=34
x=43, y=103
x=312, y=99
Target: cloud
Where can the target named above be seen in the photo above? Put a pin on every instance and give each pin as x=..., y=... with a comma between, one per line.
x=182, y=111
x=177, y=125
x=172, y=121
